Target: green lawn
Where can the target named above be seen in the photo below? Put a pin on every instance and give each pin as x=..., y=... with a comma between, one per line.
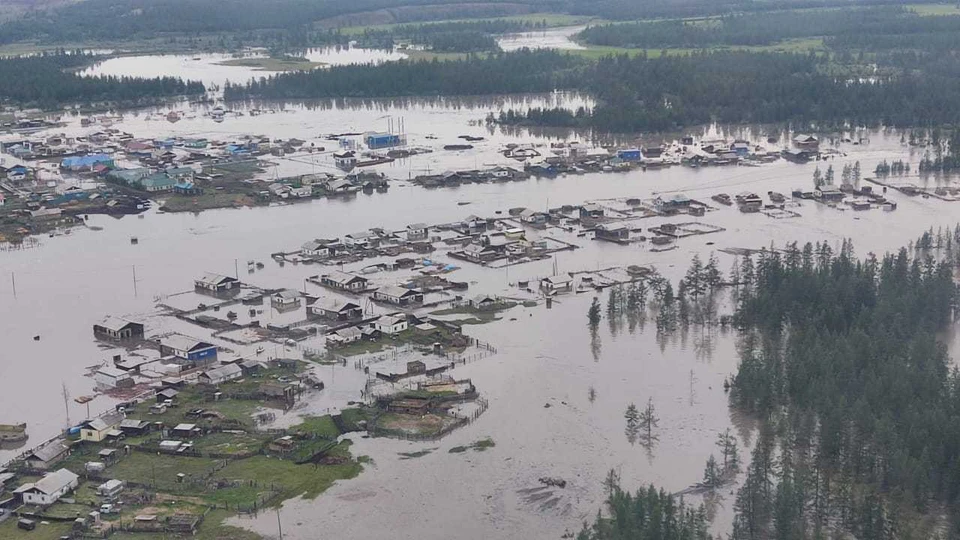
x=292, y=479
x=51, y=531
x=145, y=468
x=322, y=426
x=929, y=10
x=229, y=443
x=211, y=529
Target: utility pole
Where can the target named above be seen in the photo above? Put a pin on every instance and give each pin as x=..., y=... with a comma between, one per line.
x=236, y=269
x=66, y=402
x=13, y=280
x=279, y=526
x=134, y=279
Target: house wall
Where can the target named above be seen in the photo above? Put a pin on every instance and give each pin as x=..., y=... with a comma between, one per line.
x=92, y=435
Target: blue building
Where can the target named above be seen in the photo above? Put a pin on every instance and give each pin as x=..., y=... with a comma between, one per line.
x=382, y=140
x=629, y=154
x=188, y=349
x=79, y=163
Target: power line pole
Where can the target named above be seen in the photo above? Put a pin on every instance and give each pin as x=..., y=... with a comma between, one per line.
x=13, y=280
x=134, y=279
x=66, y=402
x=279, y=526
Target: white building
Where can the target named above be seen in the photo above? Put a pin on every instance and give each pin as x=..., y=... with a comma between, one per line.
x=48, y=489
x=391, y=324
x=221, y=374
x=111, y=377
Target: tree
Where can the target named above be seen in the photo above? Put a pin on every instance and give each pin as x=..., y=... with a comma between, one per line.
x=593, y=314
x=828, y=178
x=817, y=177
x=712, y=475
x=649, y=422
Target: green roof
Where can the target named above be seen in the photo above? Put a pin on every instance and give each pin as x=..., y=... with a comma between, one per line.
x=158, y=181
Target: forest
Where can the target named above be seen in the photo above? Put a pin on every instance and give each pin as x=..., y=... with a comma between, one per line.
x=50, y=80
x=860, y=408
x=457, y=36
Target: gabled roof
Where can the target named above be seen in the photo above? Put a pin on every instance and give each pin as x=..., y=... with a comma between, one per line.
x=48, y=452
x=131, y=423
x=335, y=304
x=114, y=324
x=51, y=482
x=287, y=294
x=350, y=332
x=559, y=278
x=105, y=422
x=395, y=291
x=223, y=372
x=416, y=226
x=210, y=278
x=180, y=342
x=390, y=320
x=343, y=278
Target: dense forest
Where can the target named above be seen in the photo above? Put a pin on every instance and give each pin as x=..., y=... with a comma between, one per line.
x=860, y=409
x=458, y=36
x=50, y=80
x=652, y=94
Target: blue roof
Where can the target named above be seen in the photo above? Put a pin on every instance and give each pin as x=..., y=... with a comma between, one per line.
x=85, y=161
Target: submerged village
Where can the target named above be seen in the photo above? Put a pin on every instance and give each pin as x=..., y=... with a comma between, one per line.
x=234, y=397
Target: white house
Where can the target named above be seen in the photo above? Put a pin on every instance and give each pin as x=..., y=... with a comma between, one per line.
x=558, y=283
x=48, y=489
x=286, y=298
x=362, y=240
x=216, y=282
x=344, y=336
x=100, y=428
x=391, y=324
x=396, y=295
x=345, y=160
x=416, y=232
x=319, y=248
x=111, y=377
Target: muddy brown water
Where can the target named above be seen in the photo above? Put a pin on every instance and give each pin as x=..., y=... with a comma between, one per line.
x=69, y=282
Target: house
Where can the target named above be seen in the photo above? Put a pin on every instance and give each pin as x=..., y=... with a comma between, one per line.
x=336, y=309
x=345, y=160
x=612, y=232
x=340, y=186
x=828, y=192
x=96, y=430
x=532, y=217
x=286, y=298
x=362, y=240
x=591, y=211
x=319, y=248
x=747, y=198
x=222, y=374
x=250, y=367
x=391, y=324
x=344, y=335
x=185, y=431
x=344, y=281
x=557, y=284
x=216, y=283
x=797, y=155
x=86, y=163
x=396, y=295
x=416, y=367
x=483, y=301
x=48, y=489
x=111, y=377
x=416, y=232
x=134, y=428
x=479, y=253
x=630, y=154
x=672, y=203
x=741, y=148
x=804, y=140
x=48, y=455
x=117, y=328
x=188, y=348
x=157, y=183
x=128, y=176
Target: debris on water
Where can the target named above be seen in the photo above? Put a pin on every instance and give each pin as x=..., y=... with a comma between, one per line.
x=36, y=338
x=463, y=203
x=546, y=405
x=553, y=482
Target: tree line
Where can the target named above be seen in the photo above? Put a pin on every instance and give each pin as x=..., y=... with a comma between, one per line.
x=458, y=36
x=860, y=408
x=51, y=80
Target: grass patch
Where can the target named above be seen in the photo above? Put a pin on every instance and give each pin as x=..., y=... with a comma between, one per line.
x=351, y=418
x=322, y=426
x=273, y=64
x=362, y=347
x=213, y=528
x=160, y=470
x=228, y=443
x=51, y=531
x=291, y=479
x=207, y=201
x=414, y=455
x=934, y=10
x=551, y=20
x=478, y=446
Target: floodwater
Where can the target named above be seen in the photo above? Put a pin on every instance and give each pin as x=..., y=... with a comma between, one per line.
x=208, y=68
x=551, y=38
x=58, y=290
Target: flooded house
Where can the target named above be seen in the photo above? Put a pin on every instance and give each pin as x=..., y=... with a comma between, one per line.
x=557, y=284
x=285, y=299
x=48, y=489
x=320, y=248
x=612, y=232
x=416, y=232
x=805, y=140
x=672, y=204
x=111, y=377
x=591, y=211
x=798, y=155
x=345, y=160
x=828, y=192
x=188, y=349
x=116, y=328
x=344, y=336
x=362, y=240
x=216, y=283
x=344, y=281
x=335, y=309
x=532, y=217
x=397, y=295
